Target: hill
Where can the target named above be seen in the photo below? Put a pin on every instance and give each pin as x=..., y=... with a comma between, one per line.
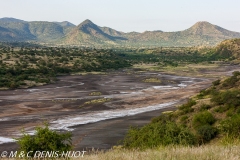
x=89, y=34
x=229, y=48
x=211, y=116
x=15, y=30
x=19, y=30
x=65, y=24
x=202, y=33
x=46, y=31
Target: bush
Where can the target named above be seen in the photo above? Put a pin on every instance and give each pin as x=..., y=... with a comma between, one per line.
x=45, y=140
x=216, y=83
x=230, y=82
x=205, y=107
x=187, y=108
x=206, y=133
x=222, y=109
x=158, y=134
x=230, y=98
x=206, y=92
x=162, y=118
x=230, y=112
x=184, y=118
x=231, y=126
x=203, y=118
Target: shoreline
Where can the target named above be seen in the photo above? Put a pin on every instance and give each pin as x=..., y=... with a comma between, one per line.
x=105, y=133
x=90, y=132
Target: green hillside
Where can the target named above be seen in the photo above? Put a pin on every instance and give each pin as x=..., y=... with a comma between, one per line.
x=211, y=116
x=89, y=34
x=202, y=33
x=46, y=31
x=15, y=30
x=229, y=48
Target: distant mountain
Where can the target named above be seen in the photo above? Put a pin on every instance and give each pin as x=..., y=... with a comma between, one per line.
x=201, y=33
x=46, y=31
x=65, y=24
x=112, y=32
x=19, y=30
x=87, y=33
x=9, y=19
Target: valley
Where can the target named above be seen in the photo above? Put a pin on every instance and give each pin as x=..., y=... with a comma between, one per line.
x=109, y=103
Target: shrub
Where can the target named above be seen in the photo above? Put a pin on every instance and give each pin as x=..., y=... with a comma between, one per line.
x=230, y=112
x=206, y=133
x=216, y=83
x=238, y=111
x=45, y=140
x=187, y=108
x=221, y=109
x=227, y=98
x=231, y=126
x=157, y=134
x=162, y=118
x=184, y=118
x=230, y=82
x=203, y=118
x=206, y=92
x=205, y=107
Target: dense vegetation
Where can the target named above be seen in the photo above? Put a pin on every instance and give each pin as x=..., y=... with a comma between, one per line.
x=35, y=65
x=229, y=48
x=213, y=114
x=45, y=140
x=26, y=66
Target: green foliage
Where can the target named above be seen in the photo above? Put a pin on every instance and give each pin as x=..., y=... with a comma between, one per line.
x=45, y=140
x=198, y=125
x=231, y=126
x=229, y=97
x=187, y=108
x=41, y=64
x=216, y=83
x=206, y=133
x=230, y=112
x=163, y=118
x=231, y=81
x=222, y=109
x=183, y=118
x=203, y=118
x=203, y=93
x=158, y=134
x=204, y=107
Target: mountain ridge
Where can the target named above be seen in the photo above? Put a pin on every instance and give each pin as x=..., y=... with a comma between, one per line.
x=88, y=33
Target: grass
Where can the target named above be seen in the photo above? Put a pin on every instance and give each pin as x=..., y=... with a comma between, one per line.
x=95, y=94
x=96, y=101
x=102, y=100
x=205, y=152
x=183, y=69
x=152, y=80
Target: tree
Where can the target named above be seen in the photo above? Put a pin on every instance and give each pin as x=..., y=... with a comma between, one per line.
x=45, y=140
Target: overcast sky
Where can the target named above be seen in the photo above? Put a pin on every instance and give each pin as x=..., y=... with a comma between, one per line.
x=128, y=15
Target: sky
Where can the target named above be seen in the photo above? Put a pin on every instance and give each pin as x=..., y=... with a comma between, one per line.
x=128, y=15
